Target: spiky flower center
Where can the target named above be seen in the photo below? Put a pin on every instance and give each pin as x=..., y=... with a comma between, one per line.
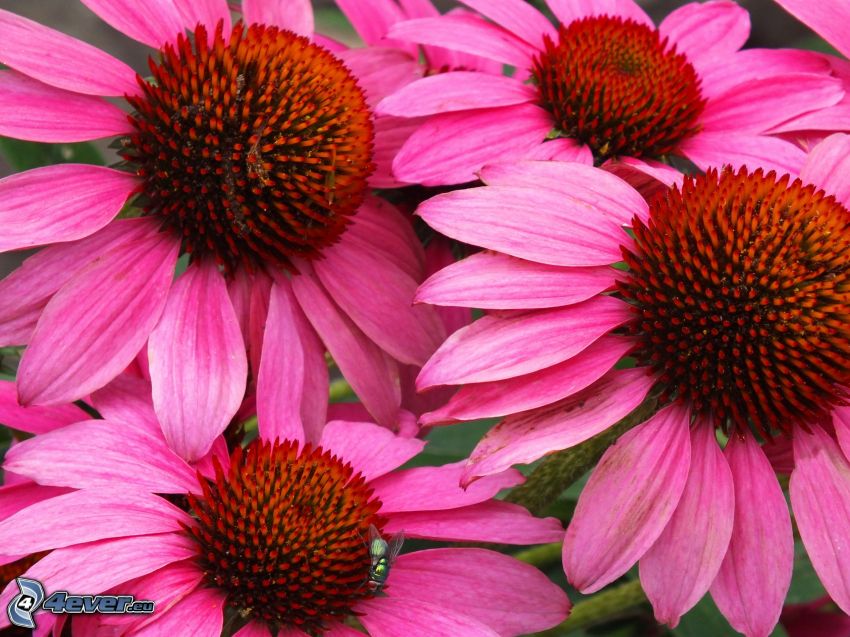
x=616, y=86
x=741, y=290
x=284, y=534
x=254, y=147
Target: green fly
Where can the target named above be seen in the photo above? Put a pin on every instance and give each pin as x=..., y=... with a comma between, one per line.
x=383, y=555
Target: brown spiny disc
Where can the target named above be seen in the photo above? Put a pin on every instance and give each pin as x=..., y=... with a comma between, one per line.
x=284, y=534
x=616, y=86
x=255, y=146
x=741, y=287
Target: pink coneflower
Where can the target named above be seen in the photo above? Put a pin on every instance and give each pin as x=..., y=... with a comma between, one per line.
x=271, y=538
x=608, y=87
x=250, y=150
x=736, y=312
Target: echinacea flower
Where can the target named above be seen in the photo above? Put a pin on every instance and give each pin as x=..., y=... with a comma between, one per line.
x=735, y=311
x=249, y=149
x=607, y=87
x=271, y=537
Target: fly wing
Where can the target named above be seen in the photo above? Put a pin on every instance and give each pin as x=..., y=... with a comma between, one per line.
x=395, y=546
x=377, y=545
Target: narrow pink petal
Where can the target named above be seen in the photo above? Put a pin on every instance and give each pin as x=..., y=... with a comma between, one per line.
x=517, y=17
x=41, y=113
x=280, y=384
x=95, y=568
x=198, y=362
x=679, y=568
x=202, y=609
x=750, y=588
x=825, y=121
x=391, y=133
x=456, y=91
x=495, y=348
x=437, y=488
x=294, y=15
x=381, y=71
x=562, y=149
x=86, y=516
x=707, y=32
x=314, y=399
x=152, y=22
x=646, y=176
x=828, y=167
x=371, y=373
x=758, y=105
x=841, y=422
x=127, y=399
x=714, y=149
x=820, y=497
x=501, y=397
x=100, y=454
x=206, y=12
x=452, y=147
x=60, y=203
x=569, y=10
x=372, y=20
x=340, y=630
x=371, y=450
x=628, y=500
x=831, y=20
x=378, y=296
x=438, y=255
x=35, y=420
x=391, y=617
x=14, y=497
x=511, y=597
x=96, y=324
x=583, y=186
x=60, y=60
x=491, y=521
x=258, y=311
x=521, y=221
x=468, y=34
x=258, y=629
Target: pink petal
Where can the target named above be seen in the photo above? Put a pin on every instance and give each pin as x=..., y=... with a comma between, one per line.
x=628, y=500
x=198, y=362
x=391, y=617
x=98, y=454
x=452, y=147
x=828, y=167
x=86, y=516
x=750, y=588
x=437, y=488
x=831, y=20
x=340, y=630
x=41, y=113
x=495, y=348
x=511, y=597
x=258, y=311
x=820, y=497
x=295, y=15
x=60, y=60
x=715, y=149
x=95, y=567
x=468, y=34
x=491, y=521
x=841, y=422
x=582, y=187
x=562, y=149
x=646, y=176
x=96, y=324
x=280, y=384
x=758, y=105
x=381, y=71
x=14, y=498
x=491, y=280
x=391, y=133
x=707, y=32
x=371, y=373
x=378, y=296
x=206, y=12
x=153, y=22
x=372, y=19
x=520, y=220
x=517, y=17
x=371, y=450
x=34, y=420
x=202, y=609
x=501, y=397
x=569, y=10
x=677, y=571
x=60, y=203
x=456, y=91
x=127, y=399
x=256, y=629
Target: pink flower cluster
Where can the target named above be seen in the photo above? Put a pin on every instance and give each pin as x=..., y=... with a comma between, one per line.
x=624, y=241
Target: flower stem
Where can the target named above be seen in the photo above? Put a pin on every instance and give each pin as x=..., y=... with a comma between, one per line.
x=561, y=469
x=606, y=606
x=540, y=556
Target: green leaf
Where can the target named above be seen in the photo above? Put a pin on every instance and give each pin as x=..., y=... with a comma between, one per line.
x=451, y=444
x=23, y=155
x=805, y=585
x=704, y=620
